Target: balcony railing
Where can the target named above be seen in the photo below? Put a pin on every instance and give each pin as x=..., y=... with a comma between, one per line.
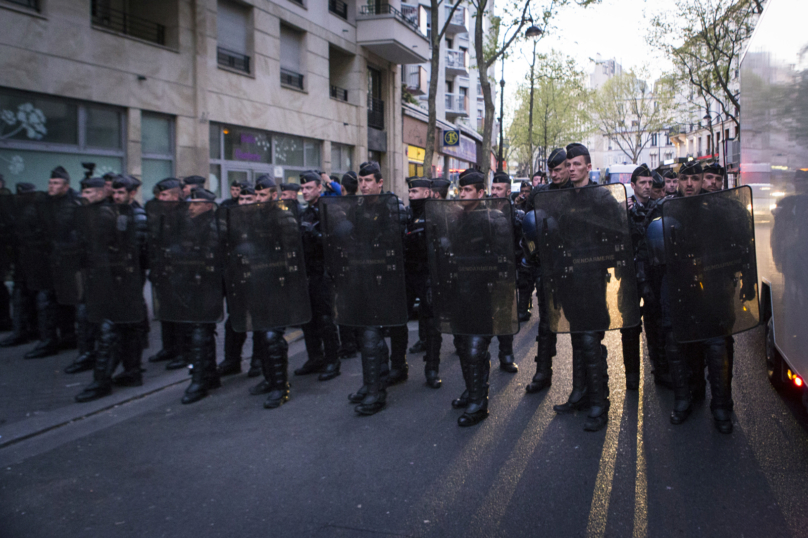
x=457, y=104
x=339, y=94
x=338, y=8
x=290, y=78
x=459, y=17
x=233, y=60
x=33, y=4
x=411, y=19
x=123, y=22
x=456, y=59
x=375, y=113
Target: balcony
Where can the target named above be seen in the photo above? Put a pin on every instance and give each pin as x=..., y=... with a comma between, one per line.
x=121, y=22
x=457, y=105
x=459, y=22
x=388, y=33
x=417, y=80
x=375, y=113
x=338, y=8
x=340, y=94
x=291, y=79
x=32, y=4
x=232, y=60
x=457, y=63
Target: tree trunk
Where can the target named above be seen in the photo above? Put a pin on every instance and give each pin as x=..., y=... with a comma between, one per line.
x=434, y=75
x=484, y=160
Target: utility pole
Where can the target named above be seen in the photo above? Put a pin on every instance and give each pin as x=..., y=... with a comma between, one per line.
x=534, y=32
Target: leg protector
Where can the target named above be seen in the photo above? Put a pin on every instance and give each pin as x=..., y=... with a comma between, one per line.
x=105, y=364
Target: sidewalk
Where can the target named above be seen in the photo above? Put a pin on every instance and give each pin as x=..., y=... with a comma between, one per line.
x=37, y=396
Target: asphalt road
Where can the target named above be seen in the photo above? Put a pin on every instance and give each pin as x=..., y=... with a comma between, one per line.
x=225, y=466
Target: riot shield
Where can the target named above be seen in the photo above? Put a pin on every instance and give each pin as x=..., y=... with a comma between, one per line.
x=587, y=260
x=110, y=261
x=185, y=261
x=711, y=269
x=6, y=235
x=264, y=273
x=364, y=255
x=33, y=241
x=65, y=257
x=472, y=266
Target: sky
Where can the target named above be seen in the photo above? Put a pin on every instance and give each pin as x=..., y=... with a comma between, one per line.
x=613, y=28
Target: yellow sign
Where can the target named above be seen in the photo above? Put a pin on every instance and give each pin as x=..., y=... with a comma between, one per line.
x=451, y=138
x=416, y=154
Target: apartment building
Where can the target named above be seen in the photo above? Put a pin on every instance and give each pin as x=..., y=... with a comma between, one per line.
x=224, y=88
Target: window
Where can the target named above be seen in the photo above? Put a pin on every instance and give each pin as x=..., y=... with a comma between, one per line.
x=151, y=21
x=40, y=132
x=338, y=8
x=233, y=32
x=157, y=146
x=341, y=160
x=654, y=138
x=291, y=58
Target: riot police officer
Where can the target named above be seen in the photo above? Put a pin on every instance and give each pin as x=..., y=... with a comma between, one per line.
x=713, y=177
x=440, y=188
x=320, y=334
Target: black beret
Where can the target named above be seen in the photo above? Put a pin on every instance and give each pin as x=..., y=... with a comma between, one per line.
x=501, y=177
x=440, y=183
x=576, y=150
x=247, y=190
x=290, y=187
x=349, y=178
x=24, y=188
x=194, y=180
x=641, y=171
x=110, y=176
x=369, y=168
x=199, y=193
x=471, y=176
x=135, y=181
x=714, y=168
x=123, y=182
x=658, y=181
x=418, y=182
x=308, y=176
x=238, y=183
x=93, y=183
x=264, y=182
x=690, y=168
x=60, y=173
x=669, y=174
x=167, y=184
x=556, y=158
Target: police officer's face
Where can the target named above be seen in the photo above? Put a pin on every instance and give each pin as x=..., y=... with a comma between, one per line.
x=369, y=185
x=671, y=184
x=235, y=190
x=288, y=195
x=657, y=193
x=642, y=188
x=500, y=190
x=311, y=191
x=712, y=182
x=246, y=199
x=579, y=170
x=186, y=190
x=265, y=195
x=690, y=185
x=169, y=195
x=560, y=173
x=58, y=186
x=121, y=196
x=93, y=194
x=470, y=192
x=419, y=193
x=198, y=207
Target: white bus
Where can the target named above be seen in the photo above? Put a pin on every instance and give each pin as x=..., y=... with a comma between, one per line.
x=774, y=162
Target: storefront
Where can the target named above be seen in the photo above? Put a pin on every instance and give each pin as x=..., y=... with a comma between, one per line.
x=460, y=157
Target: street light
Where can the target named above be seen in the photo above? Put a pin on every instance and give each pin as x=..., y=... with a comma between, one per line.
x=500, y=158
x=534, y=32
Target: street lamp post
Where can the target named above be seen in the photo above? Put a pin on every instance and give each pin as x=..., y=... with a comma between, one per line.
x=534, y=32
x=500, y=159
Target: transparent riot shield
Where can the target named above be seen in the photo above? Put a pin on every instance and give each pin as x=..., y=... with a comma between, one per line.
x=65, y=256
x=711, y=271
x=472, y=266
x=110, y=261
x=6, y=235
x=264, y=273
x=364, y=255
x=33, y=241
x=587, y=260
x=185, y=261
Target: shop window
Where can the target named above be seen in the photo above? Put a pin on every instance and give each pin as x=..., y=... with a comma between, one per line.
x=247, y=145
x=157, y=145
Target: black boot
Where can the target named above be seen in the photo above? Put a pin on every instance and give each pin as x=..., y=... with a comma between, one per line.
x=631, y=355
x=506, y=357
x=418, y=347
x=233, y=342
x=22, y=311
x=719, y=366
x=131, y=352
x=399, y=370
x=374, y=353
x=182, y=343
x=479, y=363
x=279, y=372
x=311, y=366
x=105, y=363
x=168, y=336
x=597, y=380
x=203, y=358
x=578, y=398
x=86, y=334
x=255, y=367
x=432, y=358
x=543, y=377
x=463, y=401
x=680, y=377
x=261, y=350
x=331, y=368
